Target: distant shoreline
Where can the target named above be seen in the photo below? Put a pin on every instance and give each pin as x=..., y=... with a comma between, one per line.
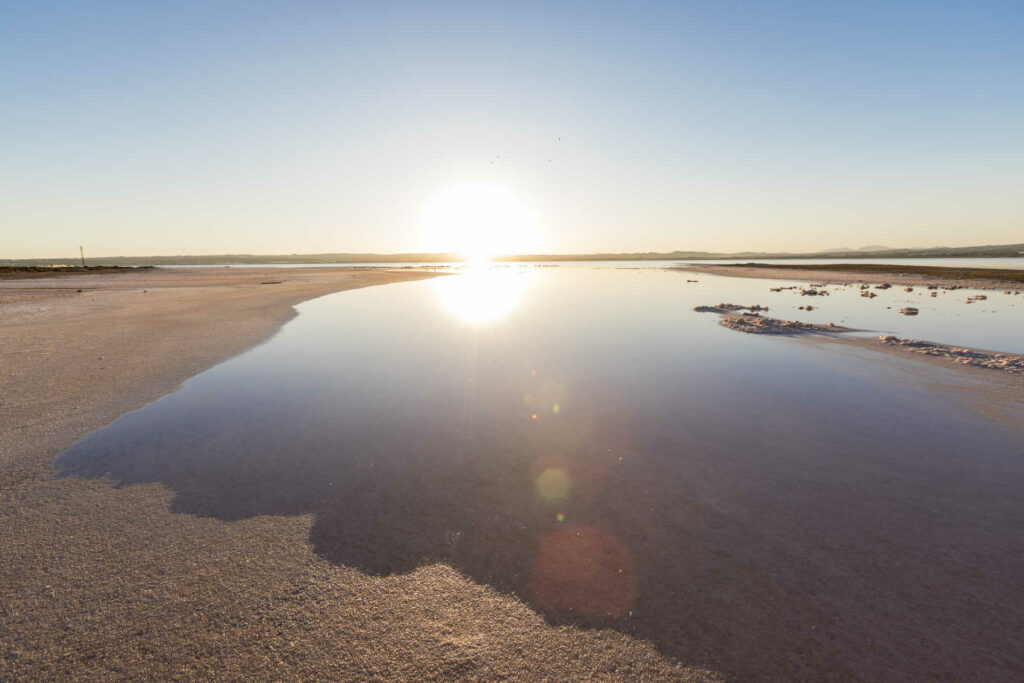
x=980, y=252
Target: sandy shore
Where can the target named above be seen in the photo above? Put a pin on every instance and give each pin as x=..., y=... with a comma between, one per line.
x=104, y=583
x=836, y=277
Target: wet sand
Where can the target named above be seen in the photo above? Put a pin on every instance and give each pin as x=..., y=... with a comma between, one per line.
x=98, y=582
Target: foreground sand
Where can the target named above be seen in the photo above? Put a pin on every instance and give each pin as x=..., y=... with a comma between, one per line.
x=104, y=583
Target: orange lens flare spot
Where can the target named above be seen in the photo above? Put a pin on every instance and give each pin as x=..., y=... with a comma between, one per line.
x=585, y=571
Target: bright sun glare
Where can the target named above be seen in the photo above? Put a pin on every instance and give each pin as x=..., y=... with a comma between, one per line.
x=482, y=293
x=479, y=220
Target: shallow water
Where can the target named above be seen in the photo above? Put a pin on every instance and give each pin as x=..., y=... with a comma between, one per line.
x=584, y=440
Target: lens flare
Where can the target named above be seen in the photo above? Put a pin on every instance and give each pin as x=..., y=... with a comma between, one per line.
x=553, y=485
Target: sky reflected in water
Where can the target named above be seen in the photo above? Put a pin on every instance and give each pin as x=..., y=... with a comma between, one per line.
x=588, y=443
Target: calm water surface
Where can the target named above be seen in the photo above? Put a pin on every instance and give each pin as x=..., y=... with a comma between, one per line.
x=582, y=439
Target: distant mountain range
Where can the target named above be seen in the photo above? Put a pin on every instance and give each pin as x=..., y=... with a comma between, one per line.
x=873, y=251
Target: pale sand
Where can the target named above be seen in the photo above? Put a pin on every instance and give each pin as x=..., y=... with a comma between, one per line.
x=104, y=583
x=838, y=277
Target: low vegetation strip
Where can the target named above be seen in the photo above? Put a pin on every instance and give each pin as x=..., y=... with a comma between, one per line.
x=1001, y=274
x=16, y=272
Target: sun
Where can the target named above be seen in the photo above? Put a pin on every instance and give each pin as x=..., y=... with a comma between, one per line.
x=479, y=220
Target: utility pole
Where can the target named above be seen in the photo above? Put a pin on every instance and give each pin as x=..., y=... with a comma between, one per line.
x=82, y=252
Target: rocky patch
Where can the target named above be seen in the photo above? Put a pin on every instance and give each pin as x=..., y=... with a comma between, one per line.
x=754, y=323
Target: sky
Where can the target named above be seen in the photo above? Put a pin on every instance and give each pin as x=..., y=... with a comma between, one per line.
x=141, y=128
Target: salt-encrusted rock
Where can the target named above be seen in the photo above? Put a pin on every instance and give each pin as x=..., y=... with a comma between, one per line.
x=754, y=324
x=726, y=308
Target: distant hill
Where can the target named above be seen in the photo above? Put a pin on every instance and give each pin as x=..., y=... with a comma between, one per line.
x=874, y=251
x=986, y=251
x=847, y=250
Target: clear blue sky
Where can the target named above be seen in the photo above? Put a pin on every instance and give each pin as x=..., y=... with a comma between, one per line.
x=293, y=127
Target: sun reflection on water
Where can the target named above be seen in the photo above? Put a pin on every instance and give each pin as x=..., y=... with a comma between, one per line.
x=482, y=293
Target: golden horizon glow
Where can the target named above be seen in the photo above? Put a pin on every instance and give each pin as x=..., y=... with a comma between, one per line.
x=479, y=220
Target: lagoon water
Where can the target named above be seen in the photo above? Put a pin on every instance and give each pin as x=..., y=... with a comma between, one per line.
x=580, y=438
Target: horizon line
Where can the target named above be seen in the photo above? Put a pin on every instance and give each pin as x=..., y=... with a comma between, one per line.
x=452, y=257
